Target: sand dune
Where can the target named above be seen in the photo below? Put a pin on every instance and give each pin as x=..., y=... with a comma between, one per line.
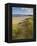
x=18, y=19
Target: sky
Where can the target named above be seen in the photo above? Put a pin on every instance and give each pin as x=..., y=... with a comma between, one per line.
x=23, y=11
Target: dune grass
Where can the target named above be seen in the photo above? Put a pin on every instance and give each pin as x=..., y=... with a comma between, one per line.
x=22, y=29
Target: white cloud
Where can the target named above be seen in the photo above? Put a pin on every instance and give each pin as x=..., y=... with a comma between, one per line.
x=22, y=8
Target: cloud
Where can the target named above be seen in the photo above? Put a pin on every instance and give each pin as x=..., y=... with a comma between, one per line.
x=25, y=11
x=22, y=8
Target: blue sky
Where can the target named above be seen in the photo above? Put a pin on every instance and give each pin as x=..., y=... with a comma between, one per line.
x=24, y=11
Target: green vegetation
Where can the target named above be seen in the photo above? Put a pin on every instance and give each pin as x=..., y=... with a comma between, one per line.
x=23, y=30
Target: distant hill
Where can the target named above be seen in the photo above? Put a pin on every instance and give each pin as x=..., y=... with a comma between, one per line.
x=15, y=15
